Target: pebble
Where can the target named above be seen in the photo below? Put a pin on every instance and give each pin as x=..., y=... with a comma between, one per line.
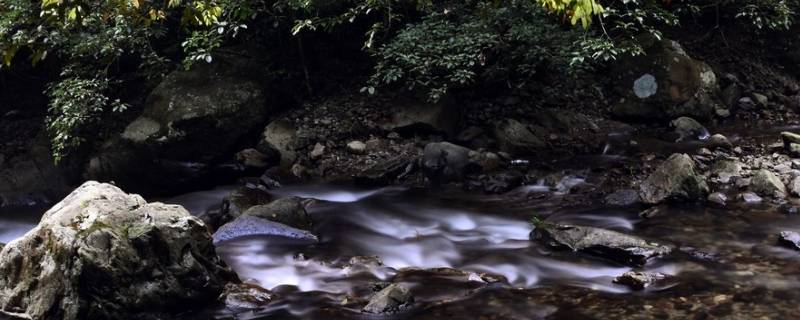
x=357, y=147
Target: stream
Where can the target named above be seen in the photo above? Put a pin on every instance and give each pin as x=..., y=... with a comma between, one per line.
x=468, y=256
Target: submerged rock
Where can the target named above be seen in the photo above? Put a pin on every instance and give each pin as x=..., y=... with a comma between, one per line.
x=766, y=183
x=612, y=245
x=290, y=211
x=675, y=179
x=248, y=226
x=790, y=239
x=103, y=254
x=235, y=204
x=391, y=299
x=638, y=280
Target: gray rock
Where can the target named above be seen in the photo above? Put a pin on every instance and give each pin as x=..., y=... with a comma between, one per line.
x=444, y=161
x=357, y=147
x=790, y=239
x=731, y=95
x=719, y=141
x=689, y=129
x=239, y=296
x=103, y=254
x=749, y=197
x=252, y=158
x=664, y=83
x=746, y=103
x=280, y=136
x=317, y=152
x=760, y=99
x=248, y=226
x=718, y=198
x=675, y=179
x=623, y=198
x=387, y=171
x=726, y=169
x=514, y=138
x=638, y=280
x=290, y=211
x=612, y=245
x=794, y=186
x=791, y=142
x=390, y=299
x=765, y=183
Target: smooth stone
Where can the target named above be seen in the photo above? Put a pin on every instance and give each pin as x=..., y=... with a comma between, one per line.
x=248, y=226
x=357, y=147
x=718, y=198
x=749, y=197
x=766, y=183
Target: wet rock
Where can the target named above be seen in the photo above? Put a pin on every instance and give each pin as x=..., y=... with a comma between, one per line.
x=790, y=239
x=387, y=171
x=514, y=138
x=391, y=299
x=689, y=129
x=664, y=83
x=675, y=179
x=280, y=136
x=103, y=254
x=412, y=116
x=746, y=103
x=794, y=186
x=243, y=198
x=502, y=182
x=749, y=197
x=622, y=198
x=766, y=183
x=246, y=296
x=718, y=198
x=731, y=95
x=248, y=226
x=760, y=99
x=357, y=147
x=638, y=280
x=252, y=158
x=791, y=142
x=317, y=152
x=726, y=169
x=612, y=245
x=444, y=162
x=719, y=141
x=290, y=211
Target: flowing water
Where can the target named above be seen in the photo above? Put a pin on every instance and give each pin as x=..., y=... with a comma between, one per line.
x=724, y=252
x=467, y=256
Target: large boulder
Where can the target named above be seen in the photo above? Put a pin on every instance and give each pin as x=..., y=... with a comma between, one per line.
x=664, y=83
x=444, y=162
x=514, y=138
x=103, y=254
x=195, y=118
x=675, y=179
